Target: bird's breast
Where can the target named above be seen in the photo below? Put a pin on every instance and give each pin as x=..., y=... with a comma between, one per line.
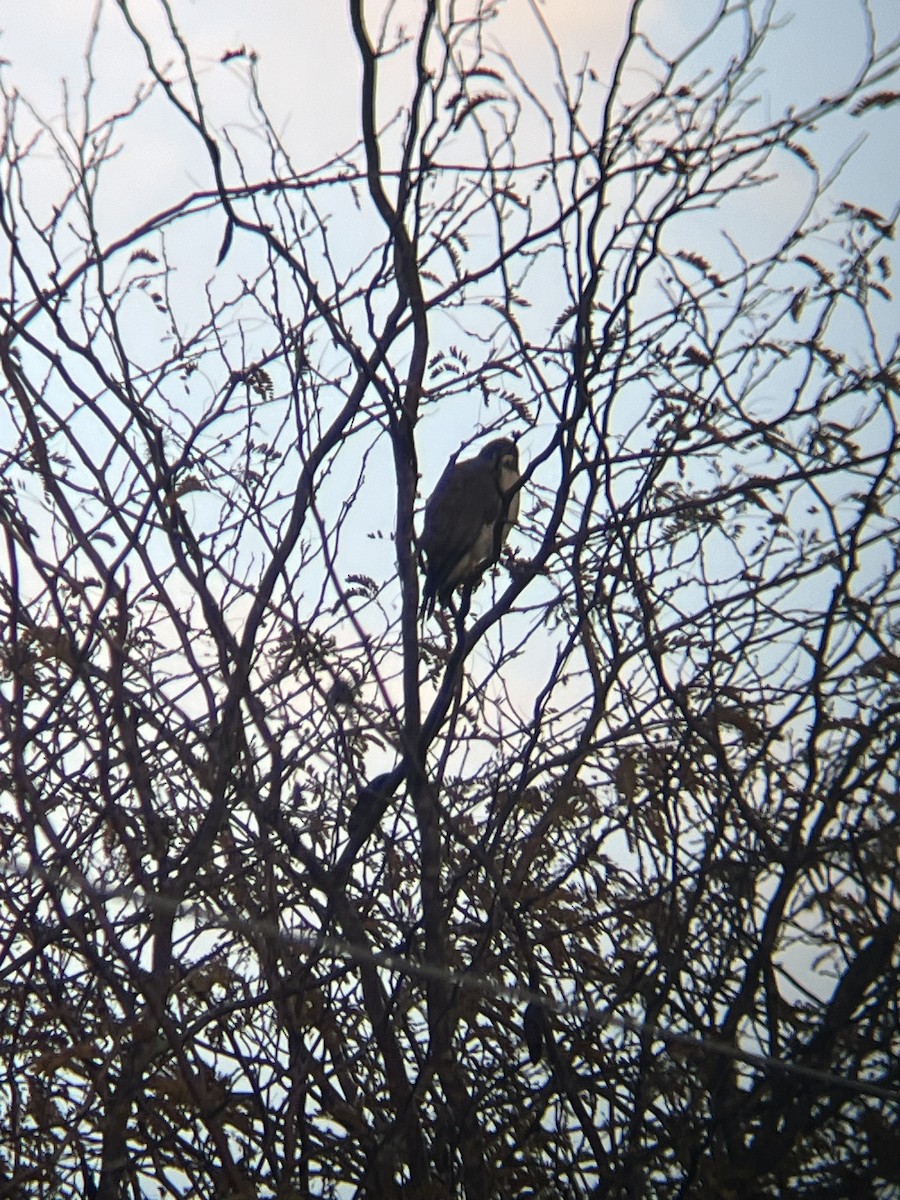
x=508, y=479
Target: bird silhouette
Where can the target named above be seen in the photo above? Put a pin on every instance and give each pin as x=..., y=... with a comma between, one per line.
x=468, y=518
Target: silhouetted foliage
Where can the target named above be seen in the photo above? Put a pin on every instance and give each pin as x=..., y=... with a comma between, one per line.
x=588, y=890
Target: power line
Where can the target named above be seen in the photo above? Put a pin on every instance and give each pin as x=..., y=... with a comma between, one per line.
x=336, y=947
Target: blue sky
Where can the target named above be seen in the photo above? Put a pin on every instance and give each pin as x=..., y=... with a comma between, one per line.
x=308, y=72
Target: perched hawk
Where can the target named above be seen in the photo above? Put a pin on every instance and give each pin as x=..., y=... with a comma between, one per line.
x=468, y=518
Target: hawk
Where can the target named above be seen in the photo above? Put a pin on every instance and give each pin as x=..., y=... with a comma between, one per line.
x=467, y=519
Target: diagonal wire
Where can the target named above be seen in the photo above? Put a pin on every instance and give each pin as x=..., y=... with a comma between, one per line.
x=316, y=943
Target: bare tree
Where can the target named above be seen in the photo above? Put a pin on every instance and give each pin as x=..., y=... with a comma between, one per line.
x=587, y=887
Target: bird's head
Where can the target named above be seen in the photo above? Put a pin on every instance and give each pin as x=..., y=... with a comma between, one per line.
x=502, y=454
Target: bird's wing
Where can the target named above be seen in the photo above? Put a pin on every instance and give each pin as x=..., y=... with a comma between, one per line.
x=464, y=501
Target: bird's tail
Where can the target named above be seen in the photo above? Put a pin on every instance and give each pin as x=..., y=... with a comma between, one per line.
x=429, y=596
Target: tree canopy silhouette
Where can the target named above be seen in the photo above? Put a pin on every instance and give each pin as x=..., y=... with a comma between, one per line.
x=586, y=888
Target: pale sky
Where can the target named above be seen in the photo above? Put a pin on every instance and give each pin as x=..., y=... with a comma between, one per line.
x=309, y=74
x=309, y=68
